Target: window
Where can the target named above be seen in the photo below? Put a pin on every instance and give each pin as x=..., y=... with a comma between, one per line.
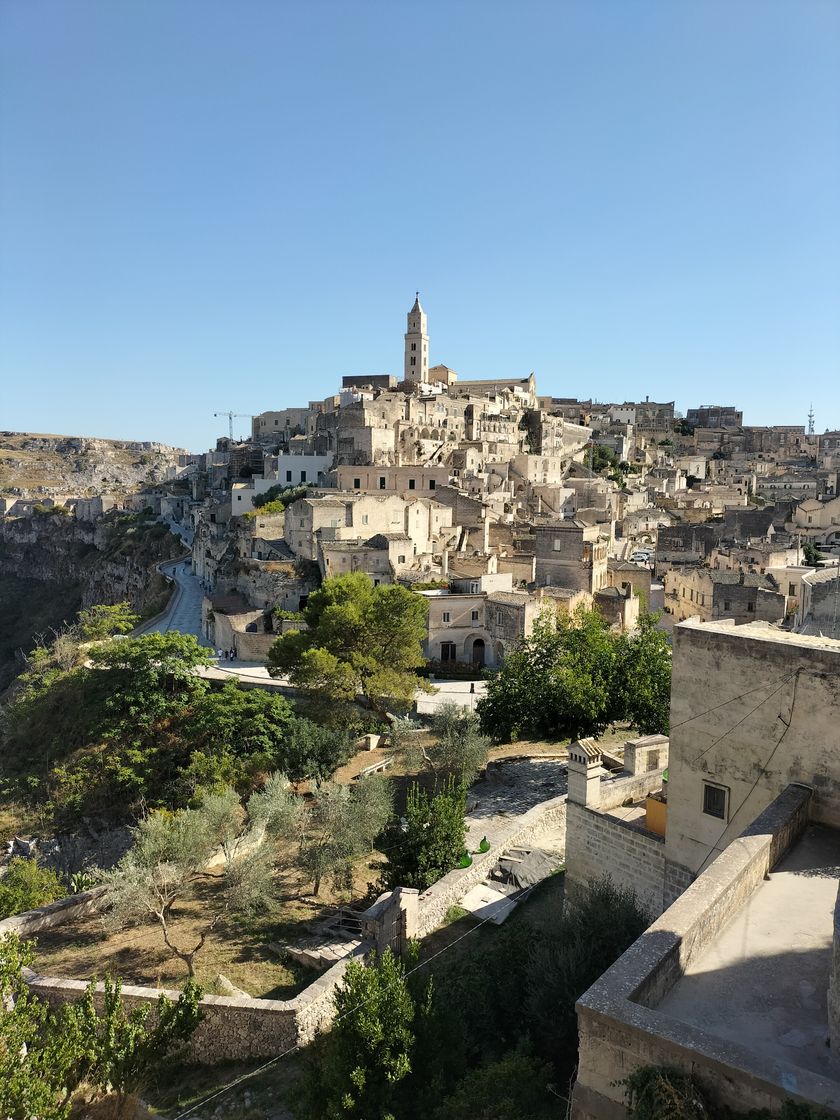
x=714, y=800
x=791, y=589
x=432, y=484
x=303, y=476
x=751, y=606
x=239, y=497
x=381, y=482
x=727, y=605
x=412, y=485
x=414, y=346
x=413, y=361
x=475, y=616
x=400, y=559
x=447, y=651
x=365, y=517
x=445, y=616
x=473, y=589
x=288, y=476
x=275, y=424
x=357, y=484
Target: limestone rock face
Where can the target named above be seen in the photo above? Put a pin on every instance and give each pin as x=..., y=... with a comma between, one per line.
x=52, y=466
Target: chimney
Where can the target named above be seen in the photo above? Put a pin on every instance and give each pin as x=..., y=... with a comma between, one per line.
x=584, y=773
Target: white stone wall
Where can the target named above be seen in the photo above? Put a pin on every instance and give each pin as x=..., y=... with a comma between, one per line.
x=449, y=890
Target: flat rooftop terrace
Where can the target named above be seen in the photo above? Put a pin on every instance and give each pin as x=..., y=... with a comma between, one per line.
x=763, y=981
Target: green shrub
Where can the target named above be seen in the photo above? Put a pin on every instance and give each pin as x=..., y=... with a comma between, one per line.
x=25, y=886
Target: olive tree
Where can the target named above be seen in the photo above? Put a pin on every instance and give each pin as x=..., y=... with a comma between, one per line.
x=167, y=861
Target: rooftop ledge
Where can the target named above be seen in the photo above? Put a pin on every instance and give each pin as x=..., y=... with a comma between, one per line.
x=730, y=982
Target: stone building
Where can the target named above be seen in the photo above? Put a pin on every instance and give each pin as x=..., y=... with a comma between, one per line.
x=416, y=357
x=710, y=594
x=715, y=416
x=570, y=554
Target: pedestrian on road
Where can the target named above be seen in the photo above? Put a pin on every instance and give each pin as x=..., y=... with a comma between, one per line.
x=233, y=655
x=219, y=654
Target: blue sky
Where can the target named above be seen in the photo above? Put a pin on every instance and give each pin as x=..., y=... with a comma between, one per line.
x=214, y=205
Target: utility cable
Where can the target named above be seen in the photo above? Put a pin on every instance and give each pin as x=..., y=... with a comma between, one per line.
x=762, y=772
x=743, y=719
x=352, y=1011
x=722, y=704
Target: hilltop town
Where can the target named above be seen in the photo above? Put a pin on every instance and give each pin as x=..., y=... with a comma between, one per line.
x=622, y=699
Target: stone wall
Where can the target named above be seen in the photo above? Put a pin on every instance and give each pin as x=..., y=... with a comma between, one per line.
x=232, y=1028
x=53, y=914
x=619, y=1027
x=834, y=983
x=448, y=891
x=597, y=844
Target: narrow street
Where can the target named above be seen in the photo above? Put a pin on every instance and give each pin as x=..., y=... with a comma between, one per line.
x=184, y=615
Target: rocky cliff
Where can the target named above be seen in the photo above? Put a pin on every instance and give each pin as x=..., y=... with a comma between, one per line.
x=36, y=466
x=51, y=564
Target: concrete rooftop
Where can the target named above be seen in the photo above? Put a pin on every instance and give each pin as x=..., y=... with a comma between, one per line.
x=763, y=981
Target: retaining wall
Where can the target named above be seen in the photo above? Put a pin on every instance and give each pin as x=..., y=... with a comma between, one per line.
x=232, y=1028
x=597, y=844
x=619, y=1027
x=525, y=830
x=53, y=914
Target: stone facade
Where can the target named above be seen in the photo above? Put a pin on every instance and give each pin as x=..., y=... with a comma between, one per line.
x=619, y=1026
x=753, y=709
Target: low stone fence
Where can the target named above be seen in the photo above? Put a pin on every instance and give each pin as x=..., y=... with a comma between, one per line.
x=618, y=1024
x=232, y=1028
x=525, y=830
x=53, y=914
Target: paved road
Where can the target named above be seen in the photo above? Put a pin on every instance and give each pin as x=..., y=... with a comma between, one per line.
x=184, y=615
x=184, y=612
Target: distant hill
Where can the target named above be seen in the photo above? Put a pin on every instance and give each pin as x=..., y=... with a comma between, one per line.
x=35, y=465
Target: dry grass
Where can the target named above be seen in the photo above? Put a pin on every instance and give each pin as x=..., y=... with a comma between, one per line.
x=237, y=948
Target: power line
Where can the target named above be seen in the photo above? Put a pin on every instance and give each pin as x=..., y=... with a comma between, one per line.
x=722, y=704
x=762, y=772
x=341, y=1018
x=743, y=718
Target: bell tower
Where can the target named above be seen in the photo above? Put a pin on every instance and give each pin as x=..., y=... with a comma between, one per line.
x=416, y=365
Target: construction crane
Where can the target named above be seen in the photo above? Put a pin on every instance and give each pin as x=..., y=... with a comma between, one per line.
x=231, y=417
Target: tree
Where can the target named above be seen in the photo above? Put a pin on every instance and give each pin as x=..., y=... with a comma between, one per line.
x=138, y=728
x=26, y=886
x=357, y=1070
x=343, y=823
x=561, y=681
x=431, y=838
x=45, y=1055
x=597, y=924
x=513, y=1088
x=170, y=851
x=362, y=644
x=645, y=670
x=811, y=554
x=459, y=749
x=235, y=733
x=574, y=677
x=114, y=1050
x=103, y=621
